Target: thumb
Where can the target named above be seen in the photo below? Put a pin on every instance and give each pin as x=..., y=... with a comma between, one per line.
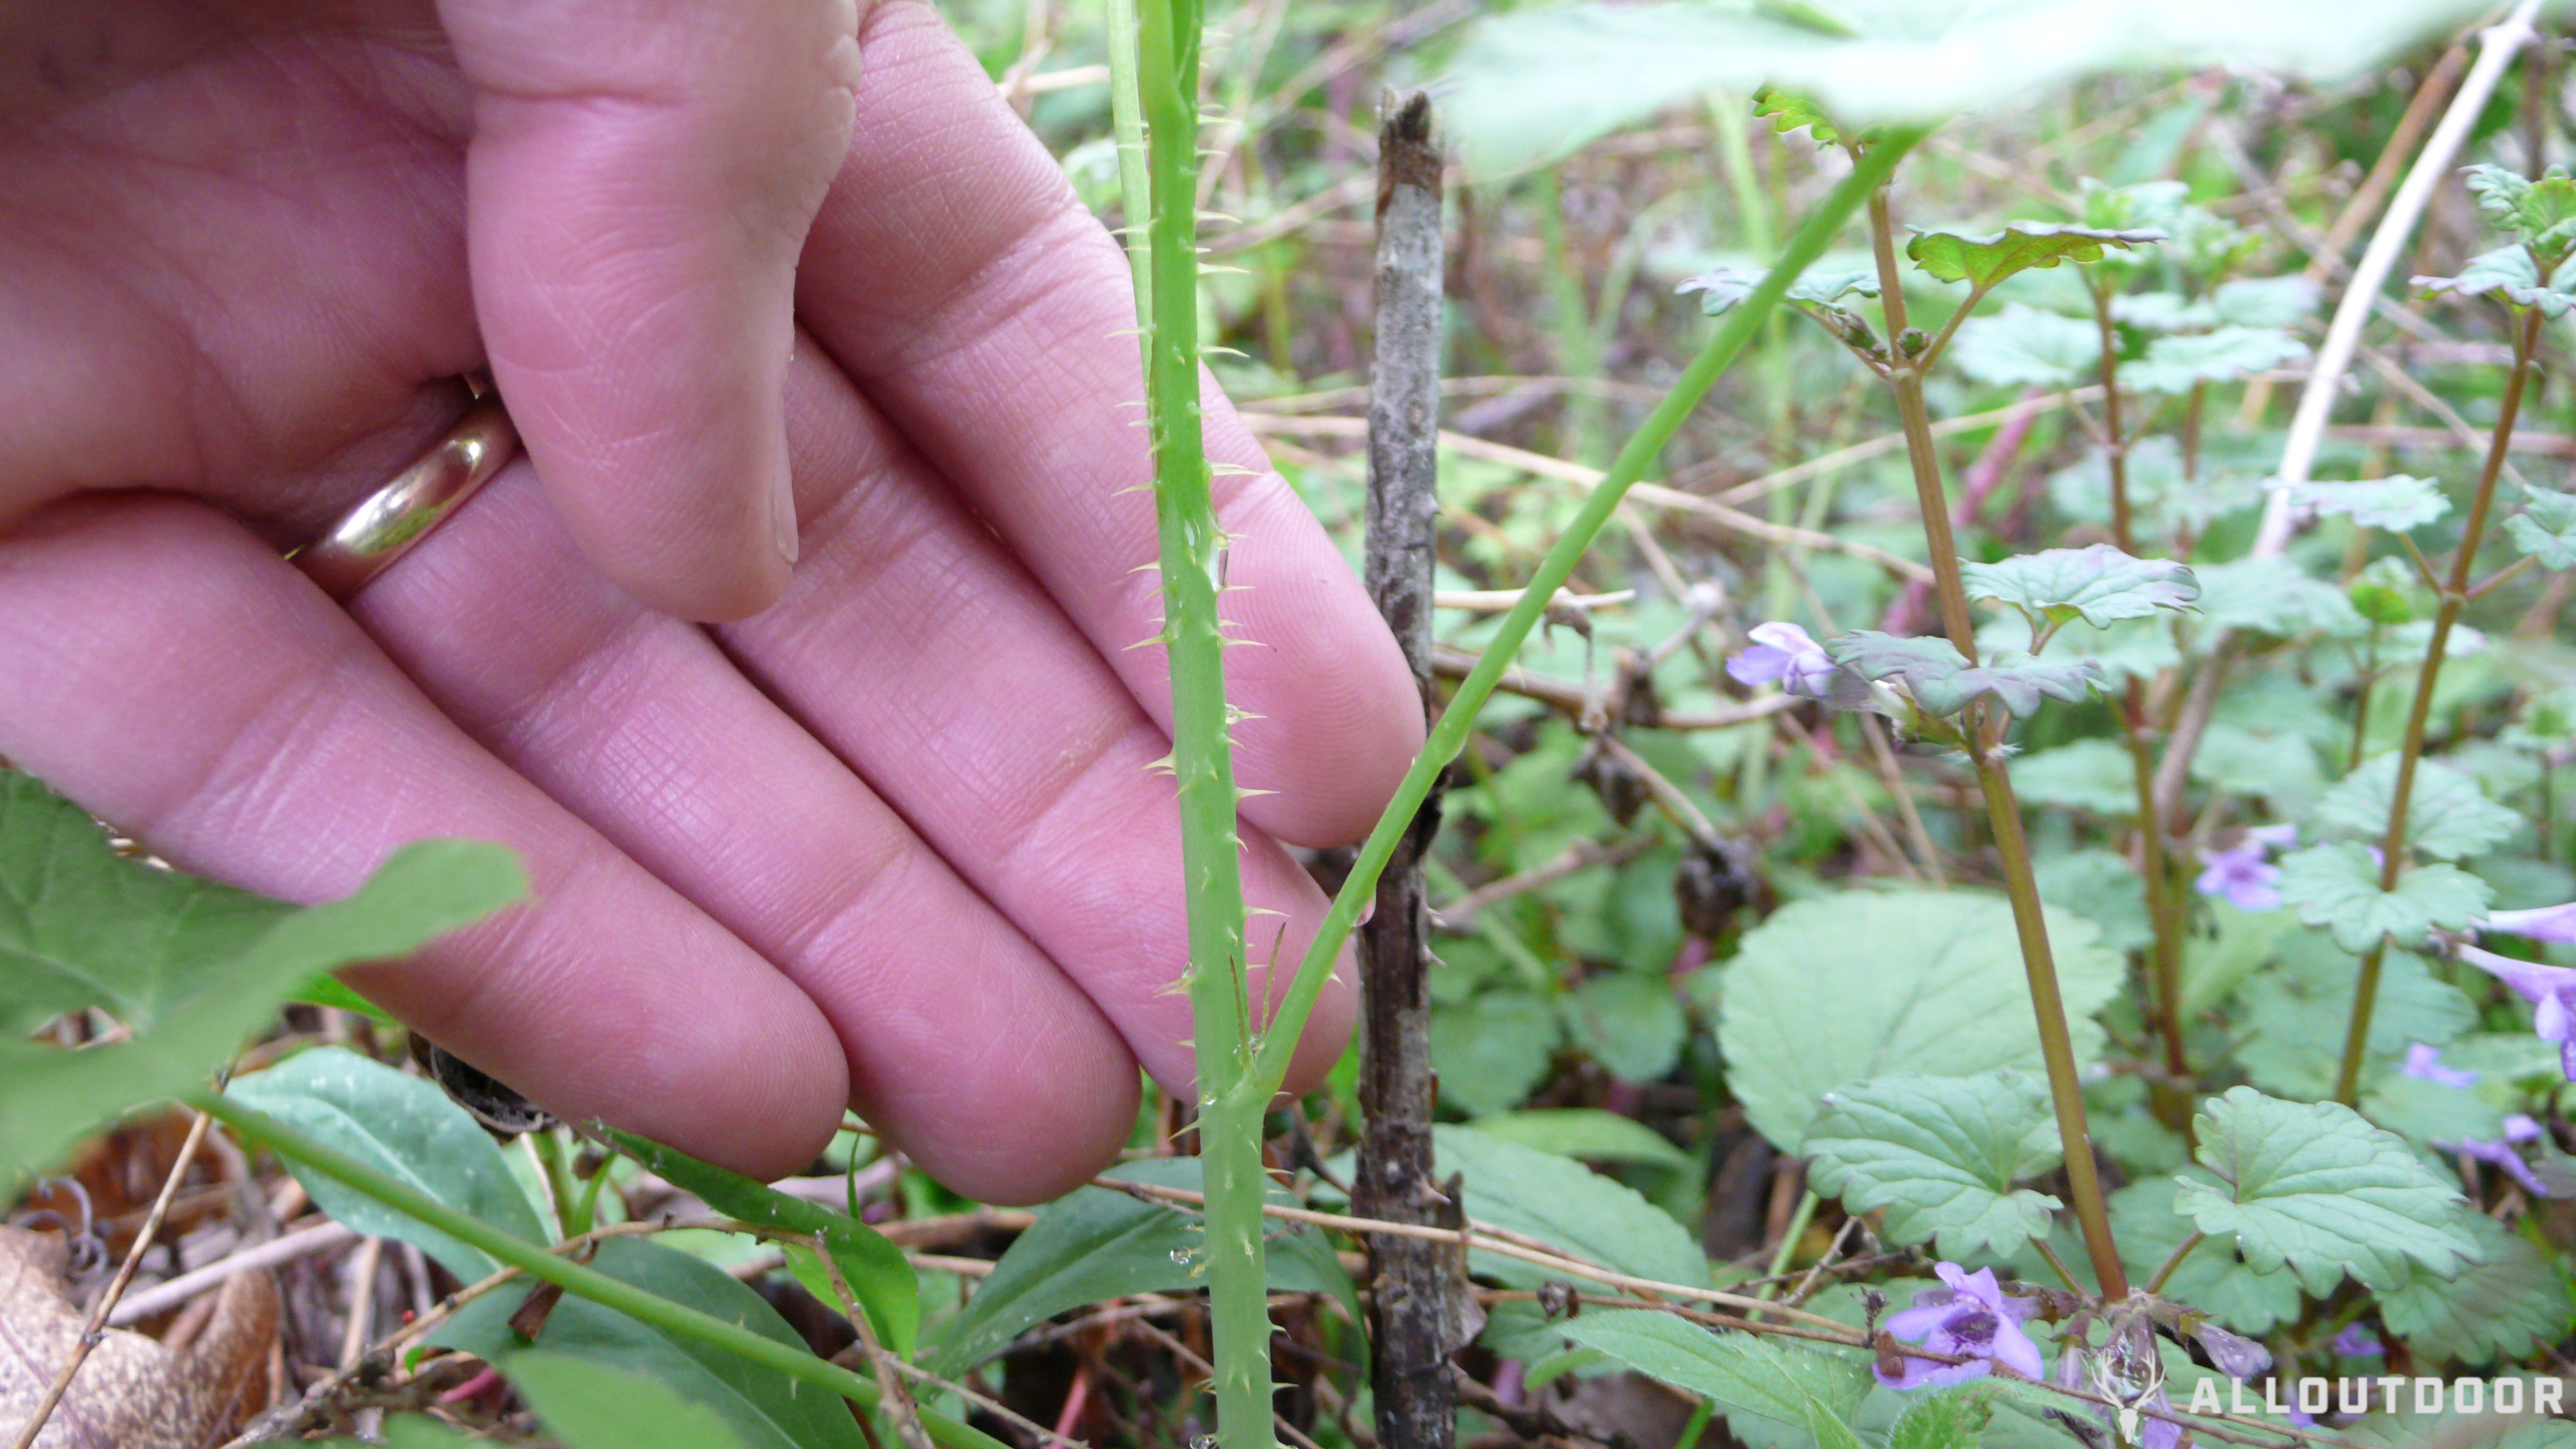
x=641, y=179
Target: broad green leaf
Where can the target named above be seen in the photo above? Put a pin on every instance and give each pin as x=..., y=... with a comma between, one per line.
x=1586, y=1133
x=1822, y=285
x=763, y=1408
x=2546, y=528
x=1788, y=1384
x=1787, y=111
x=2276, y=767
x=2024, y=347
x=2274, y=596
x=1982, y=261
x=81, y=927
x=2176, y=364
x=1839, y=989
x=1559, y=1201
x=592, y=1405
x=2100, y=886
x=405, y=1127
x=2215, y=964
x=2162, y=500
x=55, y=1097
x=2337, y=886
x=1944, y=683
x=1096, y=1244
x=2539, y=214
x=2508, y=273
x=2425, y=1112
x=1533, y=84
x=1627, y=1022
x=2098, y=584
x=1951, y=1419
x=2311, y=1186
x=2513, y=1301
x=1941, y=1155
x=2396, y=503
x=2266, y=301
x=876, y=1270
x=2215, y=1279
x=1490, y=1051
x=419, y=1431
x=2447, y=817
x=2094, y=774
x=2295, y=1014
x=2512, y=1056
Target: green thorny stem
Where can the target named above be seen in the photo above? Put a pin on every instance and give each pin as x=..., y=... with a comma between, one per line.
x=1231, y=1100
x=2455, y=597
x=2003, y=813
x=2172, y=1095
x=1816, y=232
x=257, y=1129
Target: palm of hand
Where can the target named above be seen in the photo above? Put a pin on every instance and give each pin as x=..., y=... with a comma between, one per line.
x=892, y=841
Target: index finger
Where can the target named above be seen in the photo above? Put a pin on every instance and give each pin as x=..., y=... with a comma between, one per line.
x=954, y=275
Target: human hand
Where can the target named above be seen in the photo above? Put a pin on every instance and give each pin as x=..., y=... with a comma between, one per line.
x=892, y=841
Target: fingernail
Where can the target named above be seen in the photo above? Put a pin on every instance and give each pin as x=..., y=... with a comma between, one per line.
x=783, y=512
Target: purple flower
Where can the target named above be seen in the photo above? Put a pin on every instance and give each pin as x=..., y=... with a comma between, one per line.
x=2242, y=876
x=2499, y=1151
x=1783, y=654
x=2545, y=923
x=1970, y=1318
x=2426, y=1062
x=2357, y=1341
x=2234, y=1355
x=2552, y=989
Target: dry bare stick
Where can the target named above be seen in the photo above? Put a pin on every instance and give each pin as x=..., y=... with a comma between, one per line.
x=1418, y=1311
x=896, y=1400
x=1459, y=916
x=2343, y=336
x=96, y=1328
x=134, y=1307
x=1732, y=520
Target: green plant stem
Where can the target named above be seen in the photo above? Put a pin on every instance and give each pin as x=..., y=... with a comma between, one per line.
x=2003, y=812
x=560, y=1186
x=258, y=1129
x=1192, y=565
x=1805, y=245
x=2181, y=1251
x=2455, y=597
x=2164, y=962
x=1787, y=1252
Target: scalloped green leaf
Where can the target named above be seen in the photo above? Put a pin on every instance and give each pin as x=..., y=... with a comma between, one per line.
x=2397, y=502
x=1982, y=261
x=2275, y=596
x=2024, y=347
x=2546, y=528
x=1788, y=111
x=2098, y=584
x=1941, y=1155
x=2094, y=775
x=2294, y=1015
x=2337, y=886
x=1822, y=285
x=2215, y=1279
x=1944, y=683
x=2312, y=1187
x=2509, y=273
x=1791, y=1385
x=1837, y=990
x=2178, y=363
x=2447, y=816
x=2540, y=214
x=2513, y=1301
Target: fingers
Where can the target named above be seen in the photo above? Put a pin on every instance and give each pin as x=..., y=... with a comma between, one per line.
x=171, y=674
x=640, y=183
x=914, y=645
x=968, y=1049
x=1003, y=353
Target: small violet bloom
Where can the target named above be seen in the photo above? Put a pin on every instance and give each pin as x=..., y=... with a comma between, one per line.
x=2238, y=1357
x=2357, y=1341
x=1970, y=1318
x=2552, y=989
x=1782, y=654
x=2242, y=875
x=2545, y=923
x=2425, y=1062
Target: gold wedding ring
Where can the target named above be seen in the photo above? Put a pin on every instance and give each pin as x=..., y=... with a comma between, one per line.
x=368, y=538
